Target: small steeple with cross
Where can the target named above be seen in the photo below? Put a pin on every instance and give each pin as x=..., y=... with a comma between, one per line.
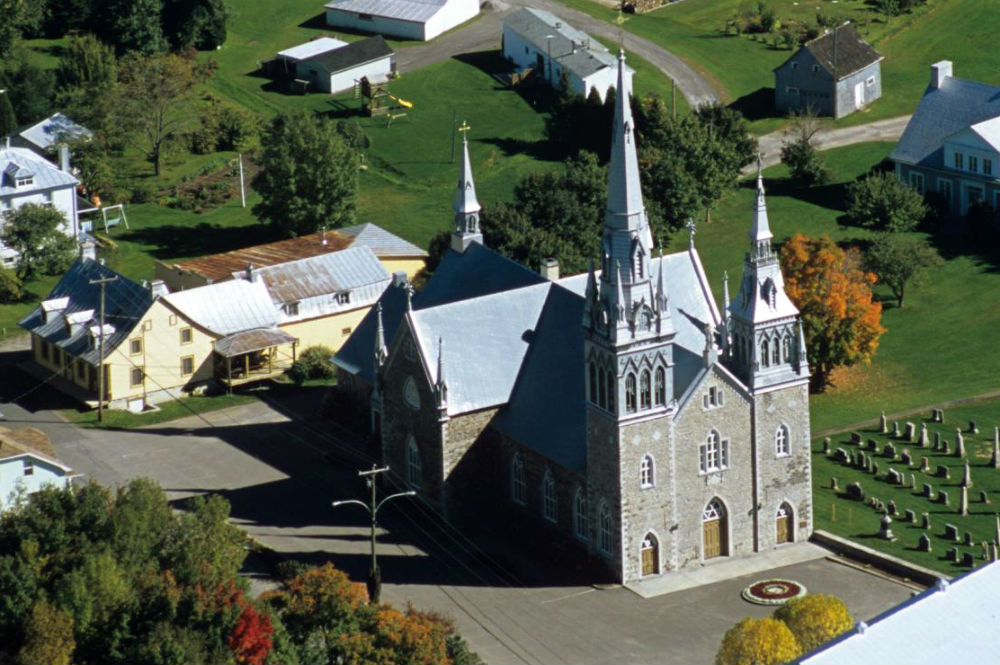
x=466, y=205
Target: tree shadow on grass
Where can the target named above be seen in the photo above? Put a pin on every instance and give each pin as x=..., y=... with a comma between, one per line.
x=831, y=196
x=173, y=240
x=757, y=105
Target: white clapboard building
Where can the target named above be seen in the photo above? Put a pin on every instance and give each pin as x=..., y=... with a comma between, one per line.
x=406, y=19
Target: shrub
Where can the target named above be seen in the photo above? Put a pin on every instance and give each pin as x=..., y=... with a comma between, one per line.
x=10, y=286
x=314, y=363
x=757, y=642
x=141, y=193
x=805, y=163
x=815, y=619
x=882, y=202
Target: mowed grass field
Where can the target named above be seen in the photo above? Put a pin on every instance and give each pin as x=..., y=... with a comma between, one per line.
x=937, y=347
x=834, y=512
x=741, y=66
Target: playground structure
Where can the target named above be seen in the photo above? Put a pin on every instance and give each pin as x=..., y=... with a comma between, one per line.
x=376, y=100
x=110, y=216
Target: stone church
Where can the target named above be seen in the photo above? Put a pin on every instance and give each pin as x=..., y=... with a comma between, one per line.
x=617, y=413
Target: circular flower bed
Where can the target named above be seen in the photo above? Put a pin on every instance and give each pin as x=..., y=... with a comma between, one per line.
x=773, y=592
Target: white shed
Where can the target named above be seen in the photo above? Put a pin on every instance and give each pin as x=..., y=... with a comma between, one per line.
x=331, y=65
x=407, y=19
x=544, y=42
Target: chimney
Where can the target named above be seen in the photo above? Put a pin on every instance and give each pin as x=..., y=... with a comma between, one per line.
x=939, y=72
x=248, y=272
x=399, y=278
x=88, y=248
x=323, y=234
x=550, y=269
x=158, y=288
x=64, y=157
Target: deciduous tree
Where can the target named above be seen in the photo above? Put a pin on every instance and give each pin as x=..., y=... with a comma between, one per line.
x=250, y=639
x=899, y=261
x=8, y=121
x=841, y=320
x=799, y=153
x=309, y=176
x=815, y=619
x=132, y=26
x=48, y=637
x=35, y=231
x=882, y=202
x=764, y=641
x=195, y=23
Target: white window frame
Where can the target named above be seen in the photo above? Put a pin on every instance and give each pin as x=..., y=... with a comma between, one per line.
x=581, y=516
x=28, y=467
x=713, y=455
x=414, y=468
x=518, y=481
x=647, y=472
x=550, y=500
x=292, y=309
x=782, y=443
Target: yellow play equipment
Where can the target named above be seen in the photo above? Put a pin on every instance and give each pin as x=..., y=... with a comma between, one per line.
x=402, y=102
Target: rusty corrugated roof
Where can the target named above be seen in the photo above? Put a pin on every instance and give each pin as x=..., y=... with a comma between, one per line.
x=252, y=340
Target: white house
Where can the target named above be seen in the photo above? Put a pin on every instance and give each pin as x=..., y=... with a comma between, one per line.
x=25, y=177
x=407, y=19
x=541, y=40
x=44, y=137
x=331, y=65
x=27, y=464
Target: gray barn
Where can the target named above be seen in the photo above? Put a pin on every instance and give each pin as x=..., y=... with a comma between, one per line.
x=835, y=75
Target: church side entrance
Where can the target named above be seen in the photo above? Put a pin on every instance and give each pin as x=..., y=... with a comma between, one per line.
x=784, y=524
x=714, y=530
x=650, y=555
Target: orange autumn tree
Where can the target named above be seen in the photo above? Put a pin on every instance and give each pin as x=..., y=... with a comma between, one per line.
x=840, y=318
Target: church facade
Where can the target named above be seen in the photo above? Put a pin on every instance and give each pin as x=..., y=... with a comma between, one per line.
x=619, y=410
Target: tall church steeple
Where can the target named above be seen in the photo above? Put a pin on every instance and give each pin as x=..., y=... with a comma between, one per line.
x=763, y=324
x=466, y=230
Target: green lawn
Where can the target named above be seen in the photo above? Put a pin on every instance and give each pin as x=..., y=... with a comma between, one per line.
x=741, y=66
x=834, y=512
x=170, y=410
x=933, y=350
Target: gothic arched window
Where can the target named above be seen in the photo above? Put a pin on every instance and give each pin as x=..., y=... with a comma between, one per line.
x=549, y=504
x=605, y=540
x=660, y=387
x=630, y=392
x=518, y=480
x=786, y=348
x=610, y=380
x=647, y=474
x=593, y=383
x=581, y=518
x=414, y=470
x=775, y=352
x=764, y=356
x=644, y=390
x=782, y=446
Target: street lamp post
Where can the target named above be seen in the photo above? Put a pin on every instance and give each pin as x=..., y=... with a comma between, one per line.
x=374, y=576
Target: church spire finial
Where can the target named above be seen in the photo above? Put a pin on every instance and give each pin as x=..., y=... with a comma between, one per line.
x=760, y=231
x=466, y=205
x=441, y=385
x=380, y=351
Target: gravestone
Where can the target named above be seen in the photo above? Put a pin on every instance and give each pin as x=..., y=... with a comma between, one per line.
x=994, y=554
x=925, y=520
x=856, y=438
x=942, y=471
x=924, y=438
x=874, y=467
x=905, y=458
x=910, y=432
x=945, y=447
x=842, y=456
x=951, y=532
x=983, y=497
x=854, y=491
x=940, y=416
x=924, y=543
x=973, y=429
x=910, y=516
x=928, y=490
x=966, y=475
x=891, y=508
x=892, y=477
x=895, y=429
x=885, y=528
x=963, y=501
x=968, y=539
x=937, y=440
x=826, y=446
x=942, y=497
x=935, y=415
x=925, y=464
x=952, y=554
x=883, y=424
x=833, y=484
x=872, y=446
x=968, y=559
x=995, y=459
x=959, y=443
x=889, y=451
x=913, y=481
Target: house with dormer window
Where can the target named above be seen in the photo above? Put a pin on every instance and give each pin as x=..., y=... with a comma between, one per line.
x=26, y=177
x=951, y=146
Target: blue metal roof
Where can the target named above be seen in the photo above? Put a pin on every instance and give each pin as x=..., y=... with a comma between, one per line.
x=477, y=272
x=943, y=111
x=54, y=129
x=126, y=302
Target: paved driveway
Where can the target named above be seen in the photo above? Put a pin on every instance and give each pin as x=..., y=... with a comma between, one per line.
x=280, y=468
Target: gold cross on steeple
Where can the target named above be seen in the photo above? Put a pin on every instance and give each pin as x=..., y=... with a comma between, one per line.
x=464, y=128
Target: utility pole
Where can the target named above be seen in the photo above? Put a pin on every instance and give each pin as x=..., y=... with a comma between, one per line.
x=243, y=193
x=374, y=576
x=103, y=282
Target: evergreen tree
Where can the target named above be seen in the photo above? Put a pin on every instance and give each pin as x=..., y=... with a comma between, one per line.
x=132, y=25
x=8, y=121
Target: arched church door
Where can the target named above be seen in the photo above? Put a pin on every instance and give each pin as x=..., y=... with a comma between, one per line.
x=650, y=555
x=714, y=529
x=784, y=525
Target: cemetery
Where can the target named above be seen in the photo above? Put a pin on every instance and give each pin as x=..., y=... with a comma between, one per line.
x=923, y=488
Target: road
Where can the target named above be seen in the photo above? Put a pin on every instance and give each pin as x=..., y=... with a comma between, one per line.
x=484, y=34
x=280, y=467
x=880, y=130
